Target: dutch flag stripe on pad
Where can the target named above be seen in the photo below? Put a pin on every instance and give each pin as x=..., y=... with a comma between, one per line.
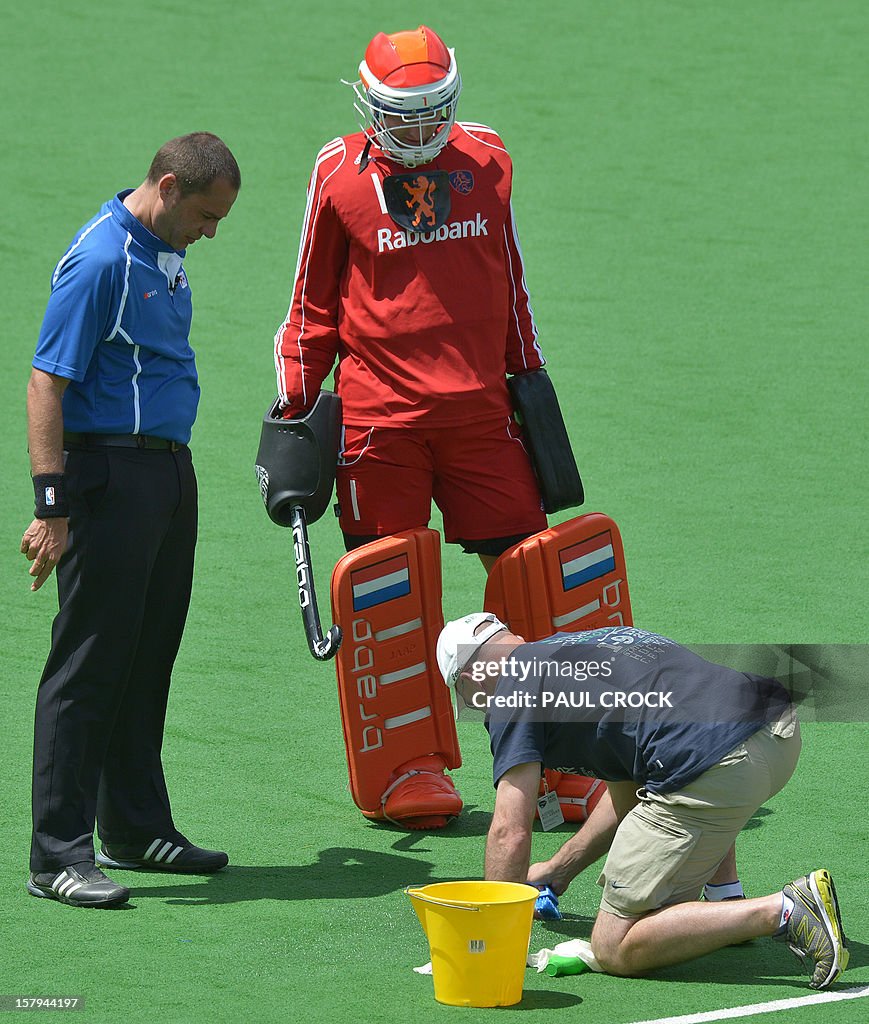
x=587, y=560
x=379, y=583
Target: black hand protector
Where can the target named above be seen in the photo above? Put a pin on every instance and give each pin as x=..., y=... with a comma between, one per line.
x=296, y=461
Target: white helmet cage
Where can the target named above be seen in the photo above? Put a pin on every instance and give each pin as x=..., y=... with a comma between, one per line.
x=399, y=121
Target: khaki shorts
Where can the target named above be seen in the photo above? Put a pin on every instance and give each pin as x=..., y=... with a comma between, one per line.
x=670, y=844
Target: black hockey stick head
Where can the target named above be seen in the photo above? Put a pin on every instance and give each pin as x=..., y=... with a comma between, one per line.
x=321, y=647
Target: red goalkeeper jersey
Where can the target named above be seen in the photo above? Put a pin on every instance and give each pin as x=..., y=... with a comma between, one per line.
x=425, y=327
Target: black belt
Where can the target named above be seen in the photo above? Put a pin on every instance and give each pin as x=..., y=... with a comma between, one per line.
x=140, y=441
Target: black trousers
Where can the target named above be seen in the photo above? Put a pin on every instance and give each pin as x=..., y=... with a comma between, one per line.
x=124, y=589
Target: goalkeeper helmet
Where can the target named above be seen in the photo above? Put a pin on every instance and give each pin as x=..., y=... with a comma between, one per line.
x=407, y=92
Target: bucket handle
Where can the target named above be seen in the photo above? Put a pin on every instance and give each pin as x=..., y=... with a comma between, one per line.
x=410, y=891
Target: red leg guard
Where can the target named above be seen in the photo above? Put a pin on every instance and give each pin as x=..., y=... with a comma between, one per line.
x=569, y=577
x=397, y=714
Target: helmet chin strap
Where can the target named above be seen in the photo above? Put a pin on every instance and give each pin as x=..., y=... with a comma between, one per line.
x=365, y=157
x=380, y=139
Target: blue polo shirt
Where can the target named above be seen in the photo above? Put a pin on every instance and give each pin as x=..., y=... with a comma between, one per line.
x=117, y=326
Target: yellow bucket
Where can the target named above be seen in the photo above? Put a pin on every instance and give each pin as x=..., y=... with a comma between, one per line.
x=478, y=933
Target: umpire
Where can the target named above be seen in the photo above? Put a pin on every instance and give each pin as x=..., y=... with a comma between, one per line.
x=111, y=402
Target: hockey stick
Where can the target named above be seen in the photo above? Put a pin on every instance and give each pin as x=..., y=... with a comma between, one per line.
x=322, y=648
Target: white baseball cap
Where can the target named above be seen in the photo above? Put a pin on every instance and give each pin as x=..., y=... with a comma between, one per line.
x=458, y=642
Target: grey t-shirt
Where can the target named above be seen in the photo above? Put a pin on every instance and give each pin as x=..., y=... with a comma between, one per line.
x=624, y=704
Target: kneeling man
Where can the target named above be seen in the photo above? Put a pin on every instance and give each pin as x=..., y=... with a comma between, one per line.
x=689, y=751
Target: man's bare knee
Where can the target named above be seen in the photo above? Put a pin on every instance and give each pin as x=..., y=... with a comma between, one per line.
x=616, y=961
x=610, y=946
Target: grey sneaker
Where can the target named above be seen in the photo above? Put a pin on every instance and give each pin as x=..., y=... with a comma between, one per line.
x=813, y=931
x=79, y=885
x=164, y=855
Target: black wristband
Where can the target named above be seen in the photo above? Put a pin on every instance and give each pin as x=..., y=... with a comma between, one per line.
x=49, y=490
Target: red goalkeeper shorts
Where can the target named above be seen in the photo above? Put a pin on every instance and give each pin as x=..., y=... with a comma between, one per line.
x=478, y=474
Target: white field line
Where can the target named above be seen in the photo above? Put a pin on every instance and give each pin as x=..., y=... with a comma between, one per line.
x=773, y=1007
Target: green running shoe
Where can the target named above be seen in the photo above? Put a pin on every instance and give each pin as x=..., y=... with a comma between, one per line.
x=813, y=930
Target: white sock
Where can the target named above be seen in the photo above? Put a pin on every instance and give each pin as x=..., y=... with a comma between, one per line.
x=787, y=906
x=725, y=891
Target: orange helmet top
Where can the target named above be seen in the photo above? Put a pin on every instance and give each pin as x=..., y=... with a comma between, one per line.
x=405, y=59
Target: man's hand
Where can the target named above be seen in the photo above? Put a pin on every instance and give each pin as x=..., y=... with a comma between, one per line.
x=547, y=872
x=44, y=543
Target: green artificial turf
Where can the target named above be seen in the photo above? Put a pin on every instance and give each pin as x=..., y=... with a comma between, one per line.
x=690, y=194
